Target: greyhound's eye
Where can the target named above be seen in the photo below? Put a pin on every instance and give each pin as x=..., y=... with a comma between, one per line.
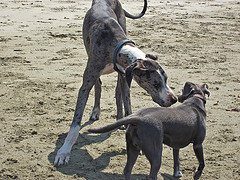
x=165, y=78
x=148, y=74
x=157, y=85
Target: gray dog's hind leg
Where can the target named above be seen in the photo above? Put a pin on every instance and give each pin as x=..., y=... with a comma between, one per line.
x=199, y=153
x=132, y=155
x=176, y=170
x=155, y=160
x=96, y=109
x=154, y=155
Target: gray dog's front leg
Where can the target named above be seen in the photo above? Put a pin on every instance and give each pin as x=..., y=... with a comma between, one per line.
x=199, y=153
x=176, y=170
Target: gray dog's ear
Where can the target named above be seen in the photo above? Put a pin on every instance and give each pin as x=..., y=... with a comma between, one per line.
x=205, y=90
x=153, y=57
x=187, y=90
x=129, y=73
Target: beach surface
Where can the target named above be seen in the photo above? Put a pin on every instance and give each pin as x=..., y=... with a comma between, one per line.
x=42, y=60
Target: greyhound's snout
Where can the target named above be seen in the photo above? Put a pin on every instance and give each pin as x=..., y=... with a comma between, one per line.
x=170, y=100
x=173, y=99
x=165, y=99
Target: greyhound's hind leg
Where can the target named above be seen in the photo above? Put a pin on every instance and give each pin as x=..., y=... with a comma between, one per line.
x=96, y=109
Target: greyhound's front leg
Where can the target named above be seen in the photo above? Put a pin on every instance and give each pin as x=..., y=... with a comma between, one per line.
x=96, y=109
x=125, y=95
x=176, y=170
x=63, y=153
x=118, y=96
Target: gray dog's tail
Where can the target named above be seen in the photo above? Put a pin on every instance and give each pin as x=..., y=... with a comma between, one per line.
x=138, y=16
x=118, y=123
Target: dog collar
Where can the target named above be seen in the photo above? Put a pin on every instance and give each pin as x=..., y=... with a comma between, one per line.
x=203, y=98
x=116, y=52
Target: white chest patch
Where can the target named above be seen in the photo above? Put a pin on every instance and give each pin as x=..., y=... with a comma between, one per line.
x=108, y=69
x=133, y=53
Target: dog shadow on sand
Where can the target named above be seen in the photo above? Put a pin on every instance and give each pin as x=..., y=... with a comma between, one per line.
x=82, y=164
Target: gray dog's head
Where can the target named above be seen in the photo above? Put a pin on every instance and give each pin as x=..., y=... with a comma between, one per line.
x=150, y=76
x=191, y=89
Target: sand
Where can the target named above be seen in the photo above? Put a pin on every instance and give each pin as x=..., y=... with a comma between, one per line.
x=42, y=60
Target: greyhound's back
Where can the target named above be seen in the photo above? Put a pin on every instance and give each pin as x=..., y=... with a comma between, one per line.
x=103, y=29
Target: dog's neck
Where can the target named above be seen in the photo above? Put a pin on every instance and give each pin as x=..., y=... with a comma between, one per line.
x=127, y=55
x=203, y=98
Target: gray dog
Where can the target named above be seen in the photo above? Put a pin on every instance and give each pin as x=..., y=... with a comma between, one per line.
x=150, y=128
x=108, y=49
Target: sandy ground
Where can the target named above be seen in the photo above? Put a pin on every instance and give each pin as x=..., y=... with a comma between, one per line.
x=42, y=61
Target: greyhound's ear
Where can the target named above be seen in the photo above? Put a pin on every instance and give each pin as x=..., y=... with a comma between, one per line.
x=129, y=73
x=205, y=90
x=153, y=57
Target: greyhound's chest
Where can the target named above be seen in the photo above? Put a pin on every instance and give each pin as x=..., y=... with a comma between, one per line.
x=108, y=69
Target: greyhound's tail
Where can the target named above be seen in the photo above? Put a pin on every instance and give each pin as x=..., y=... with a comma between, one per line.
x=138, y=16
x=118, y=123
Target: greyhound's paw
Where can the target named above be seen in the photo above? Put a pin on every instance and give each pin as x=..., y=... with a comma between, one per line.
x=62, y=157
x=177, y=174
x=95, y=114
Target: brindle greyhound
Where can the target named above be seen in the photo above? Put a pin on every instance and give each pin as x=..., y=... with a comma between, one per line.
x=104, y=35
x=150, y=128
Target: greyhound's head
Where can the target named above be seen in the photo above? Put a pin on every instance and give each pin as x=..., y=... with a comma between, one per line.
x=191, y=89
x=150, y=76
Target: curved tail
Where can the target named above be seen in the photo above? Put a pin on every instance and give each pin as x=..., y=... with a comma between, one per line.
x=124, y=121
x=138, y=16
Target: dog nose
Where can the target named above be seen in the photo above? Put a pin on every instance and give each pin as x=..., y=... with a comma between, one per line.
x=173, y=100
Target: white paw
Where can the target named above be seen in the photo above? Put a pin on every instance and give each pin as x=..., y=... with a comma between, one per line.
x=178, y=174
x=63, y=153
x=62, y=156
